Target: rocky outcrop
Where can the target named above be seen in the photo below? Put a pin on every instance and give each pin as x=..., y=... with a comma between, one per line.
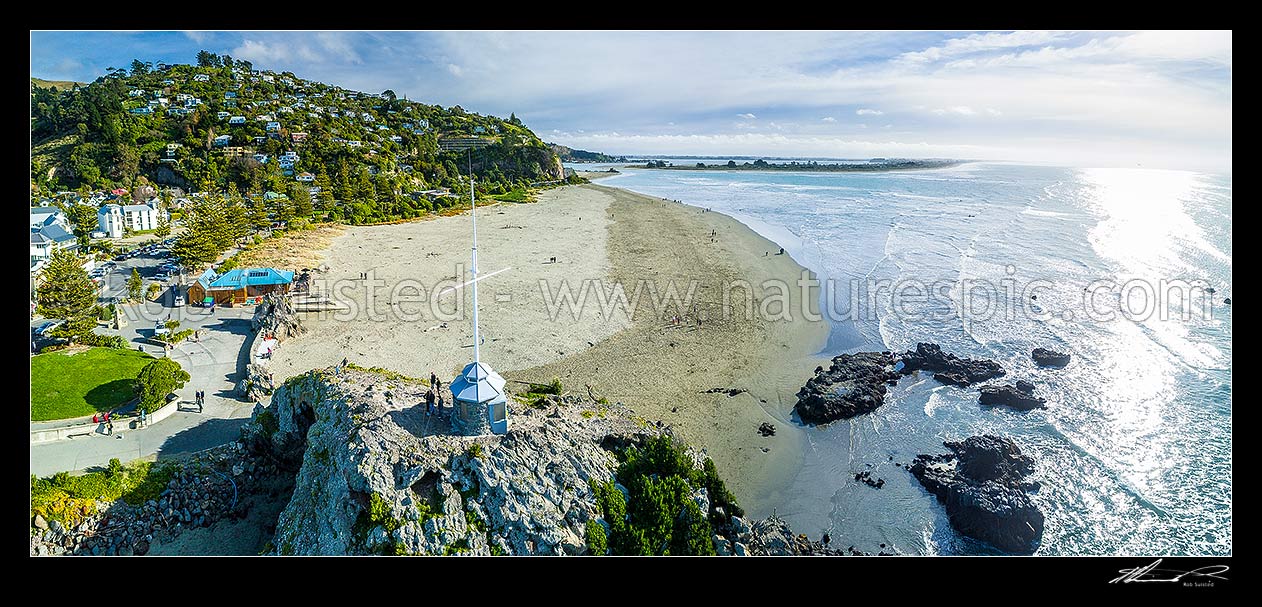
x=852, y=385
x=1049, y=358
x=1021, y=396
x=855, y=384
x=276, y=317
x=949, y=368
x=257, y=383
x=982, y=485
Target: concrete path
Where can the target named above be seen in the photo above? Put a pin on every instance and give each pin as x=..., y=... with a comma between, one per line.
x=215, y=364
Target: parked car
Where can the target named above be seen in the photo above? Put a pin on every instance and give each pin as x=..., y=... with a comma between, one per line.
x=160, y=329
x=179, y=301
x=47, y=326
x=162, y=277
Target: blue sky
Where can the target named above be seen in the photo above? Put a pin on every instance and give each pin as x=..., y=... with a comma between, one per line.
x=1158, y=98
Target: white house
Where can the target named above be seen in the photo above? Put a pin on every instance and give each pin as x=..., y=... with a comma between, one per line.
x=222, y=140
x=222, y=115
x=236, y=120
x=109, y=218
x=142, y=110
x=306, y=177
x=273, y=127
x=201, y=78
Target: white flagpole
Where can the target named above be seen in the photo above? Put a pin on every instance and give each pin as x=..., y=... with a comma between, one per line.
x=473, y=210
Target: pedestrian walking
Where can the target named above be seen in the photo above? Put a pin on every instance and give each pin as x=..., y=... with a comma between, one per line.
x=429, y=401
x=432, y=379
x=440, y=403
x=143, y=418
x=109, y=428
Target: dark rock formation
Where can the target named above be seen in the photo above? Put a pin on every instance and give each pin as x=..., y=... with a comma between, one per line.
x=1020, y=396
x=767, y=429
x=949, y=368
x=856, y=383
x=727, y=391
x=1049, y=358
x=852, y=385
x=865, y=477
x=981, y=484
x=1227, y=300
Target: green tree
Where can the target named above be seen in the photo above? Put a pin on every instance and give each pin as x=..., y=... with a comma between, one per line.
x=207, y=59
x=163, y=229
x=300, y=196
x=134, y=284
x=83, y=221
x=158, y=379
x=67, y=293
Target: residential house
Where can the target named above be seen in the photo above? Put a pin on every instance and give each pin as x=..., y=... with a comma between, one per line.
x=180, y=111
x=260, y=139
x=168, y=82
x=109, y=219
x=201, y=78
x=222, y=140
x=47, y=238
x=182, y=97
x=222, y=115
x=268, y=78
x=235, y=119
x=113, y=219
x=261, y=158
x=230, y=95
x=306, y=177
x=396, y=138
x=143, y=110
x=298, y=137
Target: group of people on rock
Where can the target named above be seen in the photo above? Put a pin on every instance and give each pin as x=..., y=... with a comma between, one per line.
x=434, y=394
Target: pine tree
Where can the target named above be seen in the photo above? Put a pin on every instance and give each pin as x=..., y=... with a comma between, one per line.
x=158, y=379
x=134, y=284
x=67, y=293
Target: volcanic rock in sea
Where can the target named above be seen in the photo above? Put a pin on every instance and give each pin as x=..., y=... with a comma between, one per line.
x=853, y=384
x=982, y=485
x=949, y=368
x=1020, y=396
x=1049, y=358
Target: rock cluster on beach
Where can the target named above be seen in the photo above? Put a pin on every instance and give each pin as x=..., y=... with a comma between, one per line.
x=949, y=368
x=852, y=385
x=982, y=485
x=1049, y=358
x=1021, y=396
x=855, y=384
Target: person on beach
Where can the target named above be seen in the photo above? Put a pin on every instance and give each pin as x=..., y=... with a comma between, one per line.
x=433, y=379
x=440, y=403
x=429, y=401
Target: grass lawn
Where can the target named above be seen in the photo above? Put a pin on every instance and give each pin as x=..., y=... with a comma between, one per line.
x=82, y=382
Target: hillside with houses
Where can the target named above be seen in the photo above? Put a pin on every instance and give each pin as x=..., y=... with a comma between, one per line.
x=222, y=125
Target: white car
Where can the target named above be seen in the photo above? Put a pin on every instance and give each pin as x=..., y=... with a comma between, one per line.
x=160, y=329
x=179, y=301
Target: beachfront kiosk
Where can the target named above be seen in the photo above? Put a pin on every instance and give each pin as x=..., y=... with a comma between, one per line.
x=478, y=392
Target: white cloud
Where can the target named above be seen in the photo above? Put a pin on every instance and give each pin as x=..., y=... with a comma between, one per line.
x=828, y=119
x=868, y=112
x=455, y=70
x=976, y=43
x=197, y=36
x=748, y=116
x=993, y=112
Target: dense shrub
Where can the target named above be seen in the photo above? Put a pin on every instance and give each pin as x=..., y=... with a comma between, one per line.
x=597, y=543
x=69, y=499
x=104, y=341
x=658, y=515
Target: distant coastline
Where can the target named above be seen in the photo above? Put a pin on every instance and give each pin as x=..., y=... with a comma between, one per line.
x=874, y=165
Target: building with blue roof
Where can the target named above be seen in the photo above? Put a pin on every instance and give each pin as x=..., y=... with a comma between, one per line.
x=239, y=286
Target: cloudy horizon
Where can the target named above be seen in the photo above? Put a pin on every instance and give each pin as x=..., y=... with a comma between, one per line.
x=1153, y=99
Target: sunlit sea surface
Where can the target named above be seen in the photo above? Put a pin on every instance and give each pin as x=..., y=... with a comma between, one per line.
x=1134, y=448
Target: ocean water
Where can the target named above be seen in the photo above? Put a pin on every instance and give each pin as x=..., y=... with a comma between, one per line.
x=1134, y=449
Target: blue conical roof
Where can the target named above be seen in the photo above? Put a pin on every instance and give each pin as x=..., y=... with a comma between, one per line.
x=477, y=383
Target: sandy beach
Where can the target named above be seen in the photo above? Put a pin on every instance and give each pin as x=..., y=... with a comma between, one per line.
x=639, y=355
